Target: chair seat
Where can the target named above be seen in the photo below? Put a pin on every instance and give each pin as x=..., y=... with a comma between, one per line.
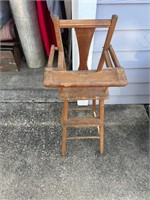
x=80, y=93
x=110, y=77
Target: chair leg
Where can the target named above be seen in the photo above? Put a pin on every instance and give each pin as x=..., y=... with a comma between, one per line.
x=64, y=140
x=94, y=105
x=101, y=139
x=64, y=135
x=101, y=128
x=62, y=116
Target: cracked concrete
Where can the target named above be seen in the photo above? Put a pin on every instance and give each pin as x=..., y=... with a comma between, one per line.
x=31, y=166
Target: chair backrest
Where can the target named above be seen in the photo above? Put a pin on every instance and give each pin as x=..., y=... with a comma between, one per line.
x=84, y=30
x=112, y=76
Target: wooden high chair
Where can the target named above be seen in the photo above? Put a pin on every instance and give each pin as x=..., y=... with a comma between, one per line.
x=84, y=84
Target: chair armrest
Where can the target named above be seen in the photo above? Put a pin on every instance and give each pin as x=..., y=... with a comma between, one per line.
x=51, y=57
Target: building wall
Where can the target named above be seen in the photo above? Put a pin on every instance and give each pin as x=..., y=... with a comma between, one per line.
x=131, y=42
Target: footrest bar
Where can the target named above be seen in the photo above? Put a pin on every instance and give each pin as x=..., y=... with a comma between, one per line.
x=81, y=138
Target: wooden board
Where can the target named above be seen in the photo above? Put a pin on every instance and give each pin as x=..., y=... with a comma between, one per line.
x=105, y=78
x=79, y=93
x=10, y=60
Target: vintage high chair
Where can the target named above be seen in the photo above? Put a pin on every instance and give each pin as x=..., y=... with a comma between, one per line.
x=84, y=84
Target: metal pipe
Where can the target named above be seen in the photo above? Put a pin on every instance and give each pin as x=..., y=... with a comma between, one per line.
x=26, y=20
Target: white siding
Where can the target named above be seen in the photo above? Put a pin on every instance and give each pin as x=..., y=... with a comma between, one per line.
x=131, y=42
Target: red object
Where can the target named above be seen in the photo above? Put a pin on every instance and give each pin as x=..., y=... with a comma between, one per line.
x=46, y=26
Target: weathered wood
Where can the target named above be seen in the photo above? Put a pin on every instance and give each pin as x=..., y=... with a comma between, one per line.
x=10, y=60
x=108, y=60
x=82, y=93
x=65, y=110
x=61, y=61
x=99, y=23
x=51, y=57
x=82, y=108
x=106, y=78
x=107, y=41
x=58, y=33
x=114, y=57
x=94, y=105
x=64, y=135
x=110, y=32
x=59, y=41
x=8, y=43
x=82, y=121
x=84, y=84
x=84, y=49
x=64, y=138
x=101, y=128
x=82, y=137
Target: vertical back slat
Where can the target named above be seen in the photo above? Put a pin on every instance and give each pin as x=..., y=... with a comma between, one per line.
x=84, y=38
